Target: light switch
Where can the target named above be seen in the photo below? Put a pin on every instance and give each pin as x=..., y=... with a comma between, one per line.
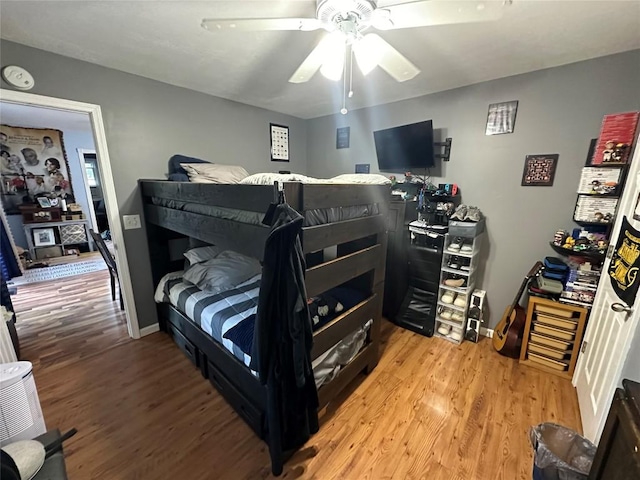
x=131, y=222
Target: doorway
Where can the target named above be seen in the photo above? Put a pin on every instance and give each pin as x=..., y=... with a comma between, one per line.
x=107, y=186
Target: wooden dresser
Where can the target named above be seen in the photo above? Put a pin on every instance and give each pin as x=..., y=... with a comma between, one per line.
x=618, y=454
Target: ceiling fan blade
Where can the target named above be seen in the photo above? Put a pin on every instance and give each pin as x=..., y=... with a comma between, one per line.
x=427, y=13
x=389, y=59
x=260, y=24
x=311, y=64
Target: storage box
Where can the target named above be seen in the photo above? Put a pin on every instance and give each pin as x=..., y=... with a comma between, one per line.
x=48, y=252
x=73, y=234
x=465, y=229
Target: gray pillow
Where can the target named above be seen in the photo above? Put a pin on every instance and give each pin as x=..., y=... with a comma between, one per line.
x=202, y=254
x=228, y=270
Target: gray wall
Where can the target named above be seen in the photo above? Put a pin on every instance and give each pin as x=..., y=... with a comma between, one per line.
x=560, y=110
x=146, y=122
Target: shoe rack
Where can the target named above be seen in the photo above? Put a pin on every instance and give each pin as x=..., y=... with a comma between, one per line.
x=457, y=281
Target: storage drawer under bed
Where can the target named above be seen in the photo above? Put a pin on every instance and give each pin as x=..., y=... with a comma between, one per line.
x=246, y=409
x=188, y=348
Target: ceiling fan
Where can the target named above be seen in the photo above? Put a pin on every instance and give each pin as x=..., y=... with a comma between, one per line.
x=347, y=22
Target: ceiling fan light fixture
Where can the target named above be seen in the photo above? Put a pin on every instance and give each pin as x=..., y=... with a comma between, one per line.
x=367, y=56
x=333, y=53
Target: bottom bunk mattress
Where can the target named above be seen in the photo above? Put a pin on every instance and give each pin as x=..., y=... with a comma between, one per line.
x=228, y=317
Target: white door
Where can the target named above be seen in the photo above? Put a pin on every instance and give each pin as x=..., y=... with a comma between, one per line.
x=610, y=331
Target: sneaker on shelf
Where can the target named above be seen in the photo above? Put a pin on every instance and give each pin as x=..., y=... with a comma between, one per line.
x=444, y=313
x=456, y=334
x=460, y=212
x=460, y=301
x=455, y=245
x=465, y=264
x=449, y=297
x=466, y=247
x=455, y=263
x=444, y=329
x=454, y=282
x=473, y=214
x=457, y=316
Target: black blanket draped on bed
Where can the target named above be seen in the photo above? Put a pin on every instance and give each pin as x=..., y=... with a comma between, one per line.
x=283, y=339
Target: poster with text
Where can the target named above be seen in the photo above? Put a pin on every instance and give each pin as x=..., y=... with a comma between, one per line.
x=623, y=270
x=33, y=164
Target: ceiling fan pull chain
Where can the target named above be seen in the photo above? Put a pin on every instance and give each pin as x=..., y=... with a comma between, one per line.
x=344, y=110
x=350, y=71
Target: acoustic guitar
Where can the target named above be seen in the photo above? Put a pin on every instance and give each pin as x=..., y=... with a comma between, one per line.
x=507, y=336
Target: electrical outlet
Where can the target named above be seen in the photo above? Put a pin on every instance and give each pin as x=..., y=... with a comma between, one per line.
x=131, y=222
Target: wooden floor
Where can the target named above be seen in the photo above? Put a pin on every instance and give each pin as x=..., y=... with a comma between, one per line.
x=429, y=410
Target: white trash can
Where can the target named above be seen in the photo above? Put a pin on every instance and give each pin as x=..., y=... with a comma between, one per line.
x=20, y=413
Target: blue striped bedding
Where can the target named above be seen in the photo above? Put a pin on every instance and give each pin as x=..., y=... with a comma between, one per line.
x=217, y=313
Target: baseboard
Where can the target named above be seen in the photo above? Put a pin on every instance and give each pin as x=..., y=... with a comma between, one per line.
x=486, y=332
x=149, y=330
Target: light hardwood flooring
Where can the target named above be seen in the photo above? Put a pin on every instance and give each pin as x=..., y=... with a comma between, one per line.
x=429, y=410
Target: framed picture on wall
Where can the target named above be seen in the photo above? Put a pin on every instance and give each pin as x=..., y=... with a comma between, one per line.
x=342, y=137
x=501, y=118
x=279, y=143
x=539, y=170
x=33, y=164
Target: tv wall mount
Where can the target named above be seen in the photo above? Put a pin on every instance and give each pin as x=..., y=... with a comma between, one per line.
x=447, y=149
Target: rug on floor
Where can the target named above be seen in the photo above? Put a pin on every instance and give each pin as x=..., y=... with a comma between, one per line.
x=35, y=275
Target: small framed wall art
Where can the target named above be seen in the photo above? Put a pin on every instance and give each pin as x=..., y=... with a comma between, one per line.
x=539, y=170
x=279, y=143
x=501, y=118
x=342, y=137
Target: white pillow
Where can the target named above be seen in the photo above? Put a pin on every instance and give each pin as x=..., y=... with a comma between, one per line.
x=202, y=254
x=268, y=178
x=366, y=178
x=227, y=270
x=214, y=173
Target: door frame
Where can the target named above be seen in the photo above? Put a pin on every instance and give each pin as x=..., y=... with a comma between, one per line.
x=85, y=179
x=109, y=191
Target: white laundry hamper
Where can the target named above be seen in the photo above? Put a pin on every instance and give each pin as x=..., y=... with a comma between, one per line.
x=20, y=413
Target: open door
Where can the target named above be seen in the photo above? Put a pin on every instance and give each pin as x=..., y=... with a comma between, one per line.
x=610, y=331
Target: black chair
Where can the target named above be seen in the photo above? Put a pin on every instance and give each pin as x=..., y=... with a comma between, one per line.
x=111, y=264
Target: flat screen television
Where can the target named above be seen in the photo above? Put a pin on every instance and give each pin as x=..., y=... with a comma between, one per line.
x=405, y=147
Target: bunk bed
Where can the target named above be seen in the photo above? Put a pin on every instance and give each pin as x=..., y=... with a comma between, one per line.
x=343, y=238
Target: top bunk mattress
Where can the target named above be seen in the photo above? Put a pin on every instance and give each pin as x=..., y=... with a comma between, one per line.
x=319, y=216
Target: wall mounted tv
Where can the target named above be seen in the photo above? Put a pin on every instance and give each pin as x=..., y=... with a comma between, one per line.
x=405, y=147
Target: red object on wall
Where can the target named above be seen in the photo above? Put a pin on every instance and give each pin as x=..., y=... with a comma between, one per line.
x=615, y=142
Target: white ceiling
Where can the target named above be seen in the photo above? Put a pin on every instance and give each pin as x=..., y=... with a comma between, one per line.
x=164, y=41
x=39, y=117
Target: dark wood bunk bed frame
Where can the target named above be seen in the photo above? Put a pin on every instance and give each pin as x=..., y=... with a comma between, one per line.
x=361, y=257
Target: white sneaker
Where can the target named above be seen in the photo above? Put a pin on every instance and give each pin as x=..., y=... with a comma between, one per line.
x=456, y=334
x=444, y=329
x=446, y=314
x=449, y=297
x=456, y=316
x=460, y=301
